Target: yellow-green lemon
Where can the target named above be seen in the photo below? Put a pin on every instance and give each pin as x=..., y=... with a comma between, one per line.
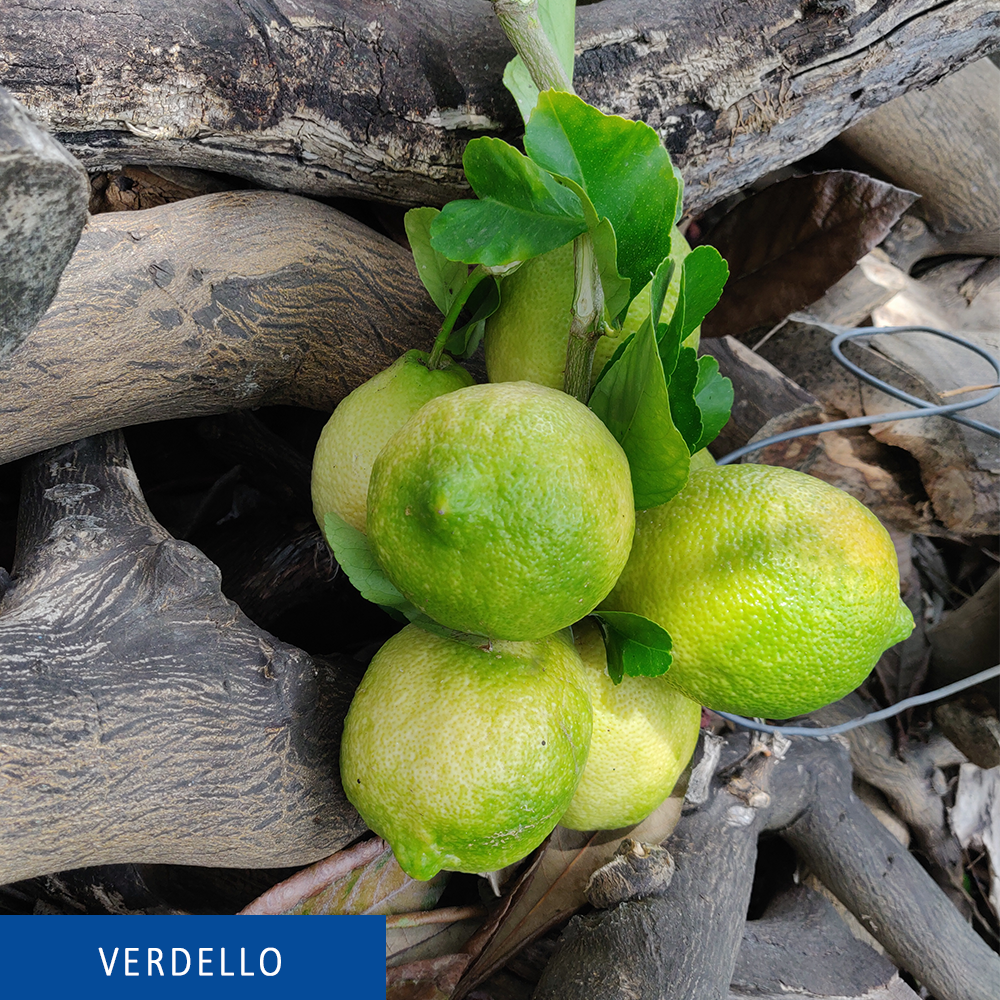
x=526, y=337
x=464, y=757
x=361, y=425
x=503, y=510
x=644, y=735
x=779, y=590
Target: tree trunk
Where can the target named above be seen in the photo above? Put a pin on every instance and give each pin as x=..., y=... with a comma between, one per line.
x=367, y=99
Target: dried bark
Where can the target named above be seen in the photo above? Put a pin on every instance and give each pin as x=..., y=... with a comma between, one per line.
x=218, y=303
x=365, y=99
x=685, y=942
x=144, y=718
x=43, y=206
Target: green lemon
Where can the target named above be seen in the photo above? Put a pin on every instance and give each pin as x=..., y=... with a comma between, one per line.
x=464, y=757
x=644, y=735
x=503, y=510
x=526, y=337
x=779, y=590
x=361, y=425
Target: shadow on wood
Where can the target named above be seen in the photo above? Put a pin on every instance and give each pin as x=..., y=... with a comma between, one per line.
x=143, y=717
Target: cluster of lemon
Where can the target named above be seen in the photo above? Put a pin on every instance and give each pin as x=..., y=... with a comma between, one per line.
x=505, y=513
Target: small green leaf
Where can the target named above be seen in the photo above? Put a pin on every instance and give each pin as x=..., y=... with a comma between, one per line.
x=483, y=303
x=683, y=408
x=631, y=399
x=615, y=287
x=558, y=22
x=521, y=211
x=354, y=556
x=442, y=278
x=635, y=645
x=705, y=274
x=623, y=168
x=714, y=396
x=670, y=335
x=658, y=290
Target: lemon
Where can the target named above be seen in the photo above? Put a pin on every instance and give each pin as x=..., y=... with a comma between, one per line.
x=779, y=590
x=644, y=735
x=361, y=425
x=525, y=339
x=503, y=510
x=464, y=757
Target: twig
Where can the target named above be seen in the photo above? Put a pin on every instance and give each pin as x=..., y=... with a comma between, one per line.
x=443, y=915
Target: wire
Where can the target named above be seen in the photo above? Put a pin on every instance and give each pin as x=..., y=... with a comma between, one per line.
x=864, y=720
x=924, y=408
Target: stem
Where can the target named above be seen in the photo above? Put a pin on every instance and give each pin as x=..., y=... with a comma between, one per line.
x=585, y=328
x=476, y=275
x=519, y=19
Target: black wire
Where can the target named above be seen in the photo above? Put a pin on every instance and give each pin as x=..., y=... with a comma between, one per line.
x=924, y=408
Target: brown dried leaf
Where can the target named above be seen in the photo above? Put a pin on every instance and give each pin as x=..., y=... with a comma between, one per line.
x=788, y=244
x=556, y=891
x=431, y=979
x=380, y=887
x=410, y=944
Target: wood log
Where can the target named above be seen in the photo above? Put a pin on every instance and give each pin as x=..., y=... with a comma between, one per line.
x=365, y=99
x=197, y=307
x=942, y=143
x=43, y=206
x=684, y=942
x=143, y=717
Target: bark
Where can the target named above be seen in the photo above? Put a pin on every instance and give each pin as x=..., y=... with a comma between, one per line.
x=685, y=942
x=43, y=206
x=365, y=99
x=196, y=308
x=143, y=717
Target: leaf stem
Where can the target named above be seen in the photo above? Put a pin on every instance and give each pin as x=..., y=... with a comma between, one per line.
x=519, y=19
x=475, y=276
x=585, y=327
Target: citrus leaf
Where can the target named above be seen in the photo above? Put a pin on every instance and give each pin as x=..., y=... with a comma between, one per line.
x=714, y=396
x=621, y=165
x=442, y=278
x=483, y=303
x=636, y=646
x=354, y=556
x=631, y=398
x=521, y=211
x=658, y=289
x=558, y=19
x=705, y=275
x=615, y=286
x=681, y=391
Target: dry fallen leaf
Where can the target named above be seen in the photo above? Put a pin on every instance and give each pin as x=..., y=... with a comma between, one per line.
x=790, y=242
x=556, y=890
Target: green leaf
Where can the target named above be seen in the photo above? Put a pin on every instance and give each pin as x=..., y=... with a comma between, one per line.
x=683, y=408
x=635, y=645
x=705, y=274
x=631, y=399
x=354, y=556
x=658, y=289
x=521, y=211
x=714, y=396
x=615, y=287
x=483, y=303
x=442, y=278
x=623, y=168
x=558, y=19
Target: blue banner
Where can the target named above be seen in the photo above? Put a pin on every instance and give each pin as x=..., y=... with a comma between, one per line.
x=111, y=957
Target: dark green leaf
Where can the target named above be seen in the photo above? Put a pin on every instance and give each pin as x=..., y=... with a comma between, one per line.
x=521, y=211
x=658, y=290
x=705, y=274
x=631, y=399
x=441, y=277
x=621, y=165
x=483, y=303
x=683, y=408
x=635, y=645
x=670, y=335
x=714, y=396
x=558, y=23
